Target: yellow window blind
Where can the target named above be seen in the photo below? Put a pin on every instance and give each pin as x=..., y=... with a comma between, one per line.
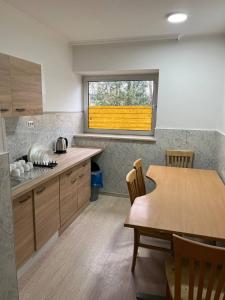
x=120, y=117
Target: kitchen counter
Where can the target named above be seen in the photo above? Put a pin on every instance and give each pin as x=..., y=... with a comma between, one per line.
x=73, y=157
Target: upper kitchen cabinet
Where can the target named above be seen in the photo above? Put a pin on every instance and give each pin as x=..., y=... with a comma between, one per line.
x=26, y=87
x=5, y=86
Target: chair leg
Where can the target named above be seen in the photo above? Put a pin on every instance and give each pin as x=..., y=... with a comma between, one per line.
x=168, y=294
x=135, y=251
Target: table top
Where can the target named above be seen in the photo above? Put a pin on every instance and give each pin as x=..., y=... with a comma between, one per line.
x=184, y=201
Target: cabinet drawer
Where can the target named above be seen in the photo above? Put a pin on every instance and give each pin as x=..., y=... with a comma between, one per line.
x=85, y=166
x=5, y=109
x=26, y=109
x=77, y=174
x=23, y=228
x=69, y=174
x=84, y=178
x=46, y=211
x=84, y=173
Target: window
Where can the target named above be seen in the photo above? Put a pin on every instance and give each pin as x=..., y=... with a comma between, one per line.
x=120, y=104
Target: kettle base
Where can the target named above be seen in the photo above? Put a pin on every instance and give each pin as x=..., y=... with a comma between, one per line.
x=60, y=151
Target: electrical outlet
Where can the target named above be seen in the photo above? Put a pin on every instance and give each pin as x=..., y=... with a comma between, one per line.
x=30, y=124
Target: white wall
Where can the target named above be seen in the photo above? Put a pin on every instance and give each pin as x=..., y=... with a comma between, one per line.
x=24, y=37
x=190, y=75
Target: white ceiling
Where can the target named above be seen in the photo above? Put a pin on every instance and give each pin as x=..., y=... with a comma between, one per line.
x=96, y=20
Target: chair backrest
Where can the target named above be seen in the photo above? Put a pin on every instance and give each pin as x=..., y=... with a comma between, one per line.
x=210, y=263
x=132, y=185
x=179, y=158
x=140, y=177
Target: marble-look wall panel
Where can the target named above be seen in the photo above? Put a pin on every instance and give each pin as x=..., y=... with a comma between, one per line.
x=118, y=155
x=8, y=279
x=221, y=154
x=47, y=128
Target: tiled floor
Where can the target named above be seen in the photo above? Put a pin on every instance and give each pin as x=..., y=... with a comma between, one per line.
x=92, y=259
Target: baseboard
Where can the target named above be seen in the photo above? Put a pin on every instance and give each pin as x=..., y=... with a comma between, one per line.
x=114, y=194
x=37, y=254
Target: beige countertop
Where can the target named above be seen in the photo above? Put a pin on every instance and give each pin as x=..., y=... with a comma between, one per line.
x=73, y=157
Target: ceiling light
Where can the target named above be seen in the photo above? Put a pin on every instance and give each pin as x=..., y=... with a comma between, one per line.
x=177, y=17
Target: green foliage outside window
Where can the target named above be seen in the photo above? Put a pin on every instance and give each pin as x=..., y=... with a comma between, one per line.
x=120, y=93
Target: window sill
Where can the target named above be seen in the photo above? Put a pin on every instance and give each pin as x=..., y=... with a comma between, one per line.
x=142, y=138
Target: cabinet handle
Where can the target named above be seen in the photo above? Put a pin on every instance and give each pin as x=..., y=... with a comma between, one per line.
x=40, y=190
x=74, y=180
x=4, y=109
x=84, y=164
x=81, y=176
x=20, y=109
x=24, y=200
x=69, y=173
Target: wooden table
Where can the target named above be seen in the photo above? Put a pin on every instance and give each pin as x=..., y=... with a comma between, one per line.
x=185, y=201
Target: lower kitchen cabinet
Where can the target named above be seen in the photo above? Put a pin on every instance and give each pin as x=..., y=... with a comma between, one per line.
x=23, y=228
x=49, y=208
x=84, y=188
x=68, y=195
x=46, y=211
x=84, y=194
x=75, y=191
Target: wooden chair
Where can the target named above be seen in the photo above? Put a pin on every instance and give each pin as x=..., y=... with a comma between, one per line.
x=197, y=272
x=133, y=190
x=179, y=158
x=132, y=185
x=140, y=177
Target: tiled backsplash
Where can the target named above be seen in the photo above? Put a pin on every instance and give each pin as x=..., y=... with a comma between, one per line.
x=220, y=145
x=118, y=157
x=47, y=128
x=116, y=160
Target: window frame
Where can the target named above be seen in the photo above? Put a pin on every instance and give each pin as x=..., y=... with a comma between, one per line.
x=151, y=77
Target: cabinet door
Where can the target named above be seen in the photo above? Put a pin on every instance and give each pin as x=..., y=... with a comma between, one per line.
x=5, y=86
x=68, y=195
x=46, y=211
x=84, y=184
x=23, y=228
x=84, y=193
x=26, y=87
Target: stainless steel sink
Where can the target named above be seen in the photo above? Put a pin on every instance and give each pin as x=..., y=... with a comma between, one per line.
x=27, y=176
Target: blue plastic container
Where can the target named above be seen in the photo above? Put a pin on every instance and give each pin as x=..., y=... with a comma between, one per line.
x=96, y=184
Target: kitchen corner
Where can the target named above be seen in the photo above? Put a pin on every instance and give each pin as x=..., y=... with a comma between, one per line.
x=50, y=202
x=73, y=157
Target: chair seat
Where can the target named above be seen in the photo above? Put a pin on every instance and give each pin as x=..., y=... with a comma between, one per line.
x=170, y=274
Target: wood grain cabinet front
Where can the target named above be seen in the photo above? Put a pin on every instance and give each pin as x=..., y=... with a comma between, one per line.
x=26, y=87
x=46, y=211
x=23, y=228
x=75, y=189
x=5, y=86
x=49, y=208
x=84, y=184
x=68, y=195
